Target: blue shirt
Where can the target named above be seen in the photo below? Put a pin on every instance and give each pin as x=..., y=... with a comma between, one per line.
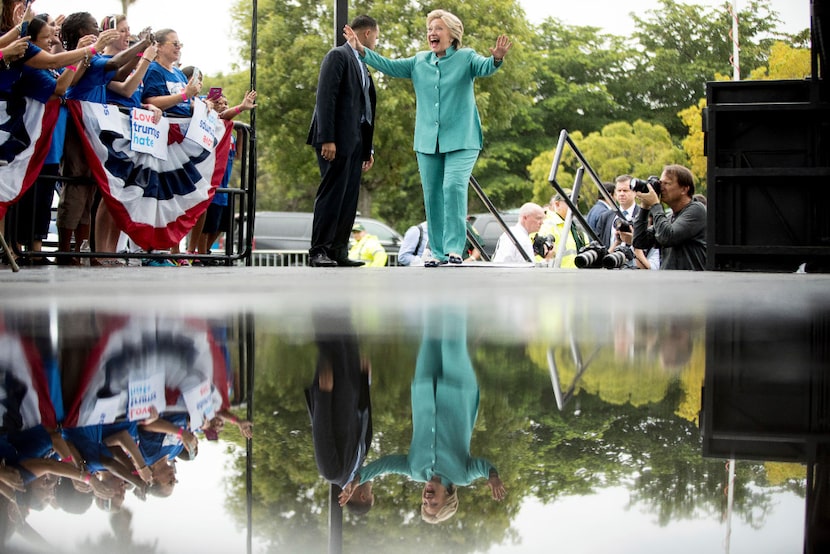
x=10, y=76
x=92, y=85
x=39, y=84
x=160, y=82
x=409, y=245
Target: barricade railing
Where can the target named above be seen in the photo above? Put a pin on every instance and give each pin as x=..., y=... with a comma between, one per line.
x=294, y=258
x=238, y=236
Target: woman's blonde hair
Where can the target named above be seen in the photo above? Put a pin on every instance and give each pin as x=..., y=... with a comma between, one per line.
x=447, y=510
x=452, y=22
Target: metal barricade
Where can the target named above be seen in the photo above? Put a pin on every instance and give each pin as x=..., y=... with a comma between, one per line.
x=238, y=232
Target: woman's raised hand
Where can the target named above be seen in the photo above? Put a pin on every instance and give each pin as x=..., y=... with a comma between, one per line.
x=351, y=38
x=503, y=44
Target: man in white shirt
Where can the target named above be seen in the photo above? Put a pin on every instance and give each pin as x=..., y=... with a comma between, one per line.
x=531, y=217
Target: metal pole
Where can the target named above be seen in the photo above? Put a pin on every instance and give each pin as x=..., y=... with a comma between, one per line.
x=252, y=150
x=341, y=18
x=569, y=217
x=335, y=521
x=736, y=47
x=492, y=209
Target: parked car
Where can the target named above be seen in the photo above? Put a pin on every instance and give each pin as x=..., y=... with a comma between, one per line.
x=488, y=227
x=292, y=231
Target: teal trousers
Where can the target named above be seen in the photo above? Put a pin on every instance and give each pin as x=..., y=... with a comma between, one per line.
x=445, y=179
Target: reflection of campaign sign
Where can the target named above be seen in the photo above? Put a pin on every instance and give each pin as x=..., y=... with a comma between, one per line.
x=144, y=394
x=199, y=404
x=202, y=129
x=106, y=410
x=149, y=137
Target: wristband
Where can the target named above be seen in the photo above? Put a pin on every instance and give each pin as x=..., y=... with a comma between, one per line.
x=68, y=459
x=238, y=111
x=140, y=54
x=87, y=477
x=71, y=68
x=92, y=51
x=1, y=54
x=184, y=97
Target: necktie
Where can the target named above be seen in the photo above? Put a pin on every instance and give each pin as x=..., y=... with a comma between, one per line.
x=367, y=103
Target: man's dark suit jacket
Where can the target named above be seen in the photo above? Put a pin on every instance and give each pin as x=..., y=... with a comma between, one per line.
x=340, y=102
x=337, y=416
x=606, y=222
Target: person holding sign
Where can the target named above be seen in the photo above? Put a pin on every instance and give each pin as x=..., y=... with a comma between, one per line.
x=126, y=93
x=93, y=75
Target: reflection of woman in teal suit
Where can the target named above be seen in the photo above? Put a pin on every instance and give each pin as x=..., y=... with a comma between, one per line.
x=445, y=398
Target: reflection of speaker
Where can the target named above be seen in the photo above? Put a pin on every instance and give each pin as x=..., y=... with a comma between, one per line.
x=768, y=148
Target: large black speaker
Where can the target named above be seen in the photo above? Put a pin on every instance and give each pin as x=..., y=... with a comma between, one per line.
x=768, y=151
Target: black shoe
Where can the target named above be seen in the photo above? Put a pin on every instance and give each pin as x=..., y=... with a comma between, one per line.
x=347, y=262
x=321, y=260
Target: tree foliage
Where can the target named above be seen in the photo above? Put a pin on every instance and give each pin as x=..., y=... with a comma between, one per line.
x=577, y=78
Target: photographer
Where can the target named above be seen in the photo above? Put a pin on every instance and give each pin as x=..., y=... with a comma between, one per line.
x=554, y=224
x=681, y=238
x=530, y=221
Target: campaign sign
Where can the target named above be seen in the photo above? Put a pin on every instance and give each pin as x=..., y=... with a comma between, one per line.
x=202, y=128
x=110, y=118
x=144, y=394
x=148, y=137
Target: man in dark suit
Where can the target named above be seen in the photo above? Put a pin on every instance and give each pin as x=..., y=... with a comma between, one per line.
x=340, y=407
x=341, y=132
x=625, y=197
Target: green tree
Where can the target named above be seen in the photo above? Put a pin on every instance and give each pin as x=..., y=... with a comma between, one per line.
x=684, y=46
x=640, y=149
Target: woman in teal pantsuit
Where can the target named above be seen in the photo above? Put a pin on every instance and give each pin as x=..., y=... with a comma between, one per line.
x=445, y=399
x=448, y=135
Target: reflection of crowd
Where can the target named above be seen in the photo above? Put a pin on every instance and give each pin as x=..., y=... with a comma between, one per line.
x=88, y=422
x=57, y=69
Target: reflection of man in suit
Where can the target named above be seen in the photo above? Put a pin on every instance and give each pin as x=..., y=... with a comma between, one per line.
x=340, y=408
x=341, y=131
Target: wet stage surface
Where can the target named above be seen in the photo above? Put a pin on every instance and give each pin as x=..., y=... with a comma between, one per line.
x=623, y=411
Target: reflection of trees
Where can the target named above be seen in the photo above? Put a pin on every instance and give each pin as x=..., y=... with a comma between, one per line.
x=598, y=441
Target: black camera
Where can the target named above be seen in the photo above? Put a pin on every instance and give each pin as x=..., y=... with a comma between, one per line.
x=638, y=185
x=621, y=225
x=542, y=244
x=590, y=255
x=619, y=257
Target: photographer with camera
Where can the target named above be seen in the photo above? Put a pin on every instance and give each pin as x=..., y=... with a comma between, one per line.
x=610, y=222
x=681, y=237
x=552, y=229
x=530, y=221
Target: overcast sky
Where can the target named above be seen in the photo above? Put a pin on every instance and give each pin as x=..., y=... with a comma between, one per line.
x=208, y=46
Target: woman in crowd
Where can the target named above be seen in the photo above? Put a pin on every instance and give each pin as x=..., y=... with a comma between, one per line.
x=43, y=85
x=94, y=74
x=448, y=135
x=165, y=86
x=126, y=93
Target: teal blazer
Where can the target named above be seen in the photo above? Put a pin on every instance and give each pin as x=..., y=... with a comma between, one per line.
x=446, y=116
